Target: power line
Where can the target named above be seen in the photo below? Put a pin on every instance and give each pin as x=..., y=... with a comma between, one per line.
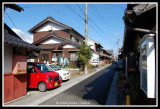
x=81, y=9
x=95, y=9
x=11, y=19
x=93, y=22
x=100, y=30
x=88, y=23
x=18, y=30
x=75, y=12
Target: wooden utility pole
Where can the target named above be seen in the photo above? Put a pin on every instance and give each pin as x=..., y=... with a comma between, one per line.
x=86, y=25
x=86, y=33
x=118, y=40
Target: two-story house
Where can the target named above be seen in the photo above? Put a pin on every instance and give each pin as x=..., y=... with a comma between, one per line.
x=105, y=57
x=57, y=41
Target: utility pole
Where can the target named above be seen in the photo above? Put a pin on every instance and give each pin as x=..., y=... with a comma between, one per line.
x=117, y=34
x=86, y=25
x=86, y=33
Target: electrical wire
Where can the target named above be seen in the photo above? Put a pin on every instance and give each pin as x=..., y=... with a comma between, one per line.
x=10, y=19
x=100, y=16
x=75, y=12
x=95, y=25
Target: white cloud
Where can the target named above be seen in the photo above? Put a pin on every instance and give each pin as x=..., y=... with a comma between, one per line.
x=24, y=36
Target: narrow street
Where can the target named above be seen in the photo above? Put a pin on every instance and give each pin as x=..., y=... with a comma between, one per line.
x=92, y=91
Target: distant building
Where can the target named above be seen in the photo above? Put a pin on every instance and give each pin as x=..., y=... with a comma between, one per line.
x=99, y=55
x=95, y=46
x=110, y=51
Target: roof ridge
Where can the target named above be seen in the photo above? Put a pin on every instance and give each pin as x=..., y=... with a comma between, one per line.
x=50, y=19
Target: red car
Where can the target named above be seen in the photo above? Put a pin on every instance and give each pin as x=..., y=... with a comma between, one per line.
x=40, y=76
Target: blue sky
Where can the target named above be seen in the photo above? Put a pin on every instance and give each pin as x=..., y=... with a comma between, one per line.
x=104, y=20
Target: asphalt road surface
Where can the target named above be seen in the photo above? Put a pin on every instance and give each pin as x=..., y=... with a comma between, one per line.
x=91, y=91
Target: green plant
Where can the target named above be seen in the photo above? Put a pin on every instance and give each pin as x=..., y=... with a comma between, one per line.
x=73, y=65
x=84, y=54
x=90, y=66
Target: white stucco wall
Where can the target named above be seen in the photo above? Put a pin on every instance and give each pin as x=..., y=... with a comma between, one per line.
x=8, y=57
x=94, y=59
x=51, y=41
x=92, y=43
x=48, y=26
x=70, y=46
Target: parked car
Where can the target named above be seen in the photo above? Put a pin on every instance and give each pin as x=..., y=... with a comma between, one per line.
x=119, y=65
x=64, y=74
x=40, y=76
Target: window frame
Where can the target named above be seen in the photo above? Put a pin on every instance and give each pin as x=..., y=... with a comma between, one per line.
x=151, y=79
x=75, y=58
x=44, y=58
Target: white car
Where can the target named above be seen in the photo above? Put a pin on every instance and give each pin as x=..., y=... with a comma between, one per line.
x=64, y=74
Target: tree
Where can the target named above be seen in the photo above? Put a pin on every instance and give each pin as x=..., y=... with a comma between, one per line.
x=84, y=54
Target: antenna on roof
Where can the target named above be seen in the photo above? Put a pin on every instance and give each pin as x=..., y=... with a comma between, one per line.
x=49, y=17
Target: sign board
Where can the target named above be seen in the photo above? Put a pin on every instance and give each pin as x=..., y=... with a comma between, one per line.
x=19, y=64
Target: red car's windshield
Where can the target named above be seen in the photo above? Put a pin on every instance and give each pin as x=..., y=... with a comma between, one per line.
x=43, y=68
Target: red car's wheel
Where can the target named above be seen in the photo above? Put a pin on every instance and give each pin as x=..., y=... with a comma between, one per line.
x=42, y=86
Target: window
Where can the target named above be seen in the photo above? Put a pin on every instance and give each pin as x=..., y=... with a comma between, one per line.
x=147, y=65
x=30, y=69
x=144, y=66
x=97, y=48
x=43, y=68
x=73, y=57
x=77, y=40
x=44, y=56
x=71, y=37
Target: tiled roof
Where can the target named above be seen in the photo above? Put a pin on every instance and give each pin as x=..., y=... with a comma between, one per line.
x=110, y=51
x=15, y=41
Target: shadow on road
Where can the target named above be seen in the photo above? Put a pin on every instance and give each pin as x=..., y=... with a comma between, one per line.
x=98, y=89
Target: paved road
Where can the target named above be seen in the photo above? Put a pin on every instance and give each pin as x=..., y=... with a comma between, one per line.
x=92, y=91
